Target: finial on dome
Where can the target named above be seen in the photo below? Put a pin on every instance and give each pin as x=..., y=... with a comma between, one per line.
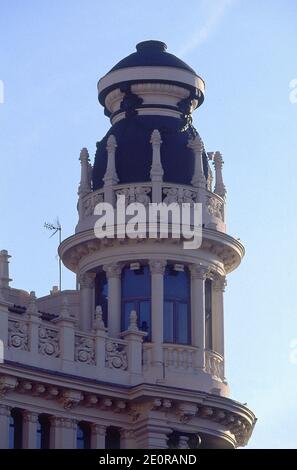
x=152, y=45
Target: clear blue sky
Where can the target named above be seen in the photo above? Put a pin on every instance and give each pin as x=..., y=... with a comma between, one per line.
x=52, y=55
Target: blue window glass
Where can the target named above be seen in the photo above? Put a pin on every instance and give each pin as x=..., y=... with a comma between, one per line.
x=43, y=432
x=176, y=321
x=15, y=429
x=136, y=295
x=101, y=294
x=83, y=436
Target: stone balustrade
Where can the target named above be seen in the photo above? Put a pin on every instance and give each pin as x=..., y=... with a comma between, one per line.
x=213, y=209
x=214, y=364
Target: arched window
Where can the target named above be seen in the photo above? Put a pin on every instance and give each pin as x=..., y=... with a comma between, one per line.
x=177, y=318
x=43, y=432
x=112, y=438
x=136, y=295
x=83, y=436
x=16, y=429
x=208, y=314
x=101, y=294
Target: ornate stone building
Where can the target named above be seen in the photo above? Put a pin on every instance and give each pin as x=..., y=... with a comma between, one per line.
x=134, y=358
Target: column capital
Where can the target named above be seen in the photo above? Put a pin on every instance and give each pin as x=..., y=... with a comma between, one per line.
x=219, y=283
x=86, y=280
x=198, y=271
x=157, y=266
x=98, y=429
x=5, y=410
x=30, y=416
x=113, y=270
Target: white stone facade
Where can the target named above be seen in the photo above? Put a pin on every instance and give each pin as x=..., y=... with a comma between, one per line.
x=62, y=362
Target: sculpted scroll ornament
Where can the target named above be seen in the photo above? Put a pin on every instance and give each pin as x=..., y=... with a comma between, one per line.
x=178, y=195
x=90, y=202
x=18, y=335
x=48, y=342
x=84, y=350
x=214, y=207
x=135, y=194
x=115, y=356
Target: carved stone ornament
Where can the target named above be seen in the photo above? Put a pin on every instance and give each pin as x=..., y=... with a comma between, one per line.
x=48, y=342
x=177, y=195
x=84, y=350
x=115, y=356
x=215, y=207
x=18, y=336
x=89, y=203
x=135, y=194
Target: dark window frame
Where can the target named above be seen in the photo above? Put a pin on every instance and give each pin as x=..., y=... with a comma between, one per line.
x=136, y=301
x=177, y=301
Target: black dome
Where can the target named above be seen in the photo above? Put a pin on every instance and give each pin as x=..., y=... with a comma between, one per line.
x=134, y=152
x=151, y=53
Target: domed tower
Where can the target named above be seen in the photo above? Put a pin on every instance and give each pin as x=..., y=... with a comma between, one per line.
x=155, y=307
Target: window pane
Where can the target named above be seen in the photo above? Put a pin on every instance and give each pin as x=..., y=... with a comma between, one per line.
x=136, y=283
x=176, y=284
x=144, y=318
x=182, y=324
x=38, y=436
x=168, y=322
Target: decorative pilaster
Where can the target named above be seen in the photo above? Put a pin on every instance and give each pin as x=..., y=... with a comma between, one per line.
x=98, y=434
x=66, y=323
x=198, y=179
x=30, y=420
x=62, y=433
x=198, y=275
x=183, y=442
x=86, y=282
x=85, y=181
x=4, y=272
x=157, y=268
x=127, y=439
x=218, y=288
x=219, y=188
x=101, y=335
x=34, y=322
x=84, y=185
x=113, y=273
x=4, y=426
x=156, y=168
x=134, y=337
x=110, y=177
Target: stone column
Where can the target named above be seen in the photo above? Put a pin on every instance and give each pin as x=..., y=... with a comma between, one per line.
x=4, y=268
x=113, y=273
x=4, y=426
x=157, y=268
x=218, y=289
x=98, y=433
x=30, y=420
x=156, y=168
x=110, y=177
x=198, y=274
x=87, y=300
x=183, y=442
x=220, y=188
x=62, y=433
x=127, y=439
x=198, y=180
x=134, y=337
x=153, y=436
